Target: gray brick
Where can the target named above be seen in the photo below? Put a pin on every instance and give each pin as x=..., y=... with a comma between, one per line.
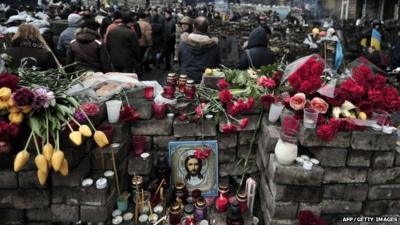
x=226, y=141
x=375, y=208
x=29, y=179
x=227, y=155
x=187, y=129
x=243, y=150
x=397, y=159
x=74, y=177
x=333, y=157
x=8, y=179
x=308, y=138
x=98, y=213
x=371, y=140
x=383, y=159
x=152, y=127
x=161, y=142
x=333, y=191
x=384, y=176
x=11, y=216
x=38, y=214
x=231, y=169
x=345, y=175
x=66, y=195
x=93, y=197
x=31, y=199
x=268, y=138
x=355, y=192
x=278, y=210
x=120, y=155
x=139, y=166
x=75, y=156
x=64, y=213
x=143, y=107
x=293, y=193
x=340, y=207
x=7, y=198
x=393, y=207
x=294, y=175
x=359, y=158
x=314, y=208
x=135, y=93
x=383, y=192
x=245, y=137
x=271, y=221
x=120, y=131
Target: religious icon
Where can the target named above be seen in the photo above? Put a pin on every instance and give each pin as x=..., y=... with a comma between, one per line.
x=195, y=163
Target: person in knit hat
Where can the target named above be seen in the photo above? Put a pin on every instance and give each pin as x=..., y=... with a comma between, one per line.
x=74, y=21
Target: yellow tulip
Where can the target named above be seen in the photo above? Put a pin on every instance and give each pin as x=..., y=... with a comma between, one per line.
x=42, y=177
x=10, y=103
x=41, y=163
x=208, y=71
x=14, y=109
x=48, y=151
x=64, y=168
x=20, y=160
x=100, y=138
x=75, y=137
x=3, y=104
x=57, y=159
x=362, y=116
x=85, y=130
x=15, y=118
x=5, y=93
x=26, y=109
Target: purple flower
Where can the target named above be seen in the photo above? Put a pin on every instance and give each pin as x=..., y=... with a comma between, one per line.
x=78, y=115
x=23, y=97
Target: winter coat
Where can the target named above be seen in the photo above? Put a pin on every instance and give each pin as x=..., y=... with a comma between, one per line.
x=257, y=48
x=87, y=51
x=169, y=30
x=145, y=27
x=28, y=53
x=123, y=47
x=112, y=26
x=196, y=53
x=68, y=34
x=395, y=54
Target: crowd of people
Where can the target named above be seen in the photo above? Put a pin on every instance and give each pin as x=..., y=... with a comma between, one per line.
x=140, y=39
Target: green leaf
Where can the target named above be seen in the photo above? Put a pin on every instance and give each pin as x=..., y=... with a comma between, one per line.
x=35, y=125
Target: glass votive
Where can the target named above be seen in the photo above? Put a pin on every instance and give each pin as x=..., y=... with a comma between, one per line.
x=148, y=93
x=310, y=118
x=275, y=111
x=159, y=111
x=169, y=92
x=142, y=201
x=138, y=143
x=381, y=116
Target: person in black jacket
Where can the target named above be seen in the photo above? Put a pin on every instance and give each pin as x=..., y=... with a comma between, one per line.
x=198, y=51
x=169, y=38
x=86, y=50
x=395, y=53
x=256, y=54
x=28, y=49
x=123, y=47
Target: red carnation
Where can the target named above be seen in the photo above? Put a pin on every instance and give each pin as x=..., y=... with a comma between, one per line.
x=233, y=109
x=267, y=100
x=365, y=106
x=222, y=84
x=355, y=90
x=362, y=74
x=266, y=82
x=321, y=119
x=294, y=81
x=199, y=109
x=277, y=76
x=249, y=104
x=306, y=87
x=229, y=128
x=338, y=100
x=327, y=132
x=8, y=80
x=225, y=96
x=378, y=82
x=90, y=108
x=202, y=153
x=244, y=122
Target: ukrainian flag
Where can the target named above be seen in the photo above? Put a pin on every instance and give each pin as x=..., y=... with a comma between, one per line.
x=376, y=39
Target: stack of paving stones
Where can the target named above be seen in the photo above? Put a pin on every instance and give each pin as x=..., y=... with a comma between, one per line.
x=358, y=175
x=63, y=200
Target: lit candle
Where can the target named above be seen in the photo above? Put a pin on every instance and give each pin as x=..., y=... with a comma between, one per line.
x=221, y=204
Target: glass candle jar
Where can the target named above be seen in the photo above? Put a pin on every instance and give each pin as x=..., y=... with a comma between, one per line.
x=180, y=192
x=136, y=185
x=171, y=79
x=241, y=197
x=221, y=204
x=223, y=189
x=201, y=209
x=175, y=214
x=142, y=201
x=169, y=92
x=196, y=193
x=190, y=89
x=159, y=110
x=182, y=83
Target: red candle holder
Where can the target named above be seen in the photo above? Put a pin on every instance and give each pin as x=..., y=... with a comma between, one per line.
x=159, y=111
x=138, y=143
x=221, y=204
x=190, y=92
x=108, y=131
x=169, y=92
x=148, y=93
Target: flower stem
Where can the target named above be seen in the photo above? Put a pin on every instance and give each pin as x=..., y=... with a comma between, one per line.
x=69, y=126
x=36, y=144
x=29, y=140
x=126, y=97
x=87, y=118
x=75, y=121
x=47, y=126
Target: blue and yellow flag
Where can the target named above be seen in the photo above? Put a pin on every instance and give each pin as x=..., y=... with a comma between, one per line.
x=376, y=39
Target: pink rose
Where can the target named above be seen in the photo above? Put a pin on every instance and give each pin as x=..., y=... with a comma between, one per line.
x=320, y=105
x=298, y=101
